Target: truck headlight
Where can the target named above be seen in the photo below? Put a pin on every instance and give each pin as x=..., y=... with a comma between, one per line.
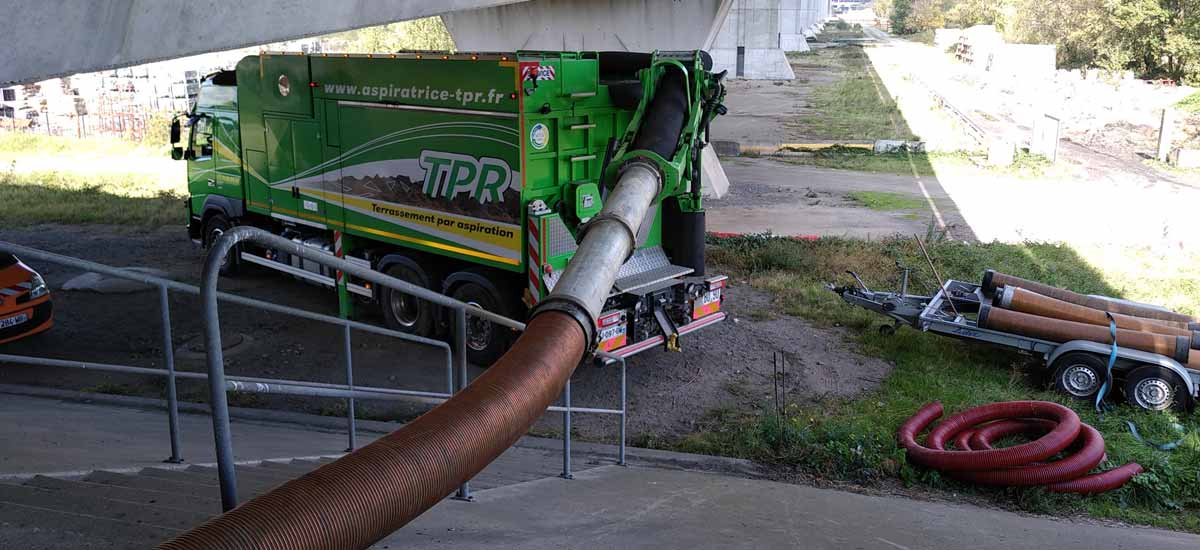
x=39, y=288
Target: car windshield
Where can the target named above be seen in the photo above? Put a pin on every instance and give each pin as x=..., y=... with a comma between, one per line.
x=7, y=260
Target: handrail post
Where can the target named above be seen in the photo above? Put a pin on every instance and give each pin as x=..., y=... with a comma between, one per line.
x=169, y=359
x=218, y=402
x=566, y=452
x=460, y=359
x=350, y=383
x=624, y=412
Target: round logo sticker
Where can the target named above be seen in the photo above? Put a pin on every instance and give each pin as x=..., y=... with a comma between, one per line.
x=539, y=136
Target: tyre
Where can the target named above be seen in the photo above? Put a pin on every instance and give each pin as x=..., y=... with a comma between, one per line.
x=216, y=226
x=405, y=312
x=1156, y=389
x=1079, y=375
x=486, y=341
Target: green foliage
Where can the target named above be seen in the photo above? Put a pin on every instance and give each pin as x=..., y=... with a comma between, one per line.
x=65, y=197
x=852, y=107
x=1190, y=103
x=1153, y=38
x=418, y=34
x=887, y=202
x=854, y=439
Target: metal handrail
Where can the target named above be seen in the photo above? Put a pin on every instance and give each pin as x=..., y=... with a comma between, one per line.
x=163, y=285
x=347, y=391
x=226, y=243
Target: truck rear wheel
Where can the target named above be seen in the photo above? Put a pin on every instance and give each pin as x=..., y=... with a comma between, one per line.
x=1079, y=375
x=216, y=226
x=1156, y=389
x=486, y=341
x=405, y=312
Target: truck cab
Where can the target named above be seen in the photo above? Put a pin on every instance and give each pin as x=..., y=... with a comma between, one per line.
x=212, y=149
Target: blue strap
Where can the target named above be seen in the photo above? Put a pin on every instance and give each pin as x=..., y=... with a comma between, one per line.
x=1170, y=446
x=1101, y=408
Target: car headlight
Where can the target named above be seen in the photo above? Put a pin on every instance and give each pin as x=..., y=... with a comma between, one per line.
x=39, y=287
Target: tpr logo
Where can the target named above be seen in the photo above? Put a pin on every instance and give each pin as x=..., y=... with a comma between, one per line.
x=448, y=174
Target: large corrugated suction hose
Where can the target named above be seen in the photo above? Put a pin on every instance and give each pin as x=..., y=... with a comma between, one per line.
x=1054, y=427
x=366, y=495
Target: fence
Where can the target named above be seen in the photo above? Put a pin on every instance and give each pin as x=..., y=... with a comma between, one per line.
x=219, y=383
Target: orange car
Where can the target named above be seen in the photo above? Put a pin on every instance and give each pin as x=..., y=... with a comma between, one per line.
x=25, y=307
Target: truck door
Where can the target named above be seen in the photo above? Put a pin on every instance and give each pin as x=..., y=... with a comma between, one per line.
x=293, y=159
x=200, y=164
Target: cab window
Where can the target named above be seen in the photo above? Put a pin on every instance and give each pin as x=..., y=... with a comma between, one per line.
x=202, y=137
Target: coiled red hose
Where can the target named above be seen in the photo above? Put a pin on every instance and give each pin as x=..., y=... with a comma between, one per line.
x=1055, y=427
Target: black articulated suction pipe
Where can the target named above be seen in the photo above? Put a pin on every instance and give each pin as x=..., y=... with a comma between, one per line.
x=362, y=497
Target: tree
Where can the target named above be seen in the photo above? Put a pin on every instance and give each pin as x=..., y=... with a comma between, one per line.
x=969, y=13
x=418, y=34
x=898, y=17
x=926, y=15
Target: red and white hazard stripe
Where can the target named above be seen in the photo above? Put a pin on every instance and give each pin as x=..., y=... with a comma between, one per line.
x=535, y=259
x=337, y=251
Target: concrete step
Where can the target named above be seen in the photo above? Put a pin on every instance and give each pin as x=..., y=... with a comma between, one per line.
x=297, y=469
x=249, y=480
x=194, y=502
x=179, y=475
x=129, y=512
x=253, y=473
x=33, y=528
x=151, y=483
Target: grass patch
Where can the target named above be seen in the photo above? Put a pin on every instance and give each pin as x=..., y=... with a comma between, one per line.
x=72, y=198
x=41, y=144
x=854, y=439
x=924, y=37
x=860, y=160
x=887, y=202
x=1190, y=103
x=854, y=106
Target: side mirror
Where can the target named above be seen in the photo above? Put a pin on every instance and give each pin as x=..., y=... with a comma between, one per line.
x=174, y=134
x=176, y=153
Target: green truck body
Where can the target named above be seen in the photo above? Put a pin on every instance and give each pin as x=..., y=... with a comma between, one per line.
x=462, y=169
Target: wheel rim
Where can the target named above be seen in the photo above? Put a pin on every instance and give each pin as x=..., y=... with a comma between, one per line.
x=405, y=308
x=1080, y=380
x=1153, y=393
x=479, y=331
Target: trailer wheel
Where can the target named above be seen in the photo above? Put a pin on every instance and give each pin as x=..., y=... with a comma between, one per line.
x=1079, y=375
x=486, y=341
x=216, y=226
x=1156, y=389
x=404, y=312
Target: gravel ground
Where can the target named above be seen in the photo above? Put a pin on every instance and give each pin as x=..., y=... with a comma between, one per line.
x=726, y=365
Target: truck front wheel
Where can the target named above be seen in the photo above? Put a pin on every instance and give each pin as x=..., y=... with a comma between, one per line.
x=486, y=341
x=405, y=312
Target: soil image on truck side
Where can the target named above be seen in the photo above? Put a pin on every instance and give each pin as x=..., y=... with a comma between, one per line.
x=402, y=190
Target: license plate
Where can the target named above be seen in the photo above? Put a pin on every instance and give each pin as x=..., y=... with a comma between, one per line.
x=612, y=337
x=14, y=320
x=707, y=304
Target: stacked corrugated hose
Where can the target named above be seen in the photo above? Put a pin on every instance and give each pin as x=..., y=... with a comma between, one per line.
x=1052, y=428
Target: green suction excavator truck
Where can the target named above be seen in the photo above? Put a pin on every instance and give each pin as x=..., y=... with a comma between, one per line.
x=469, y=174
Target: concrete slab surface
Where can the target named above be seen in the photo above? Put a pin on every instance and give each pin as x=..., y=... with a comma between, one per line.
x=615, y=507
x=40, y=435
x=790, y=199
